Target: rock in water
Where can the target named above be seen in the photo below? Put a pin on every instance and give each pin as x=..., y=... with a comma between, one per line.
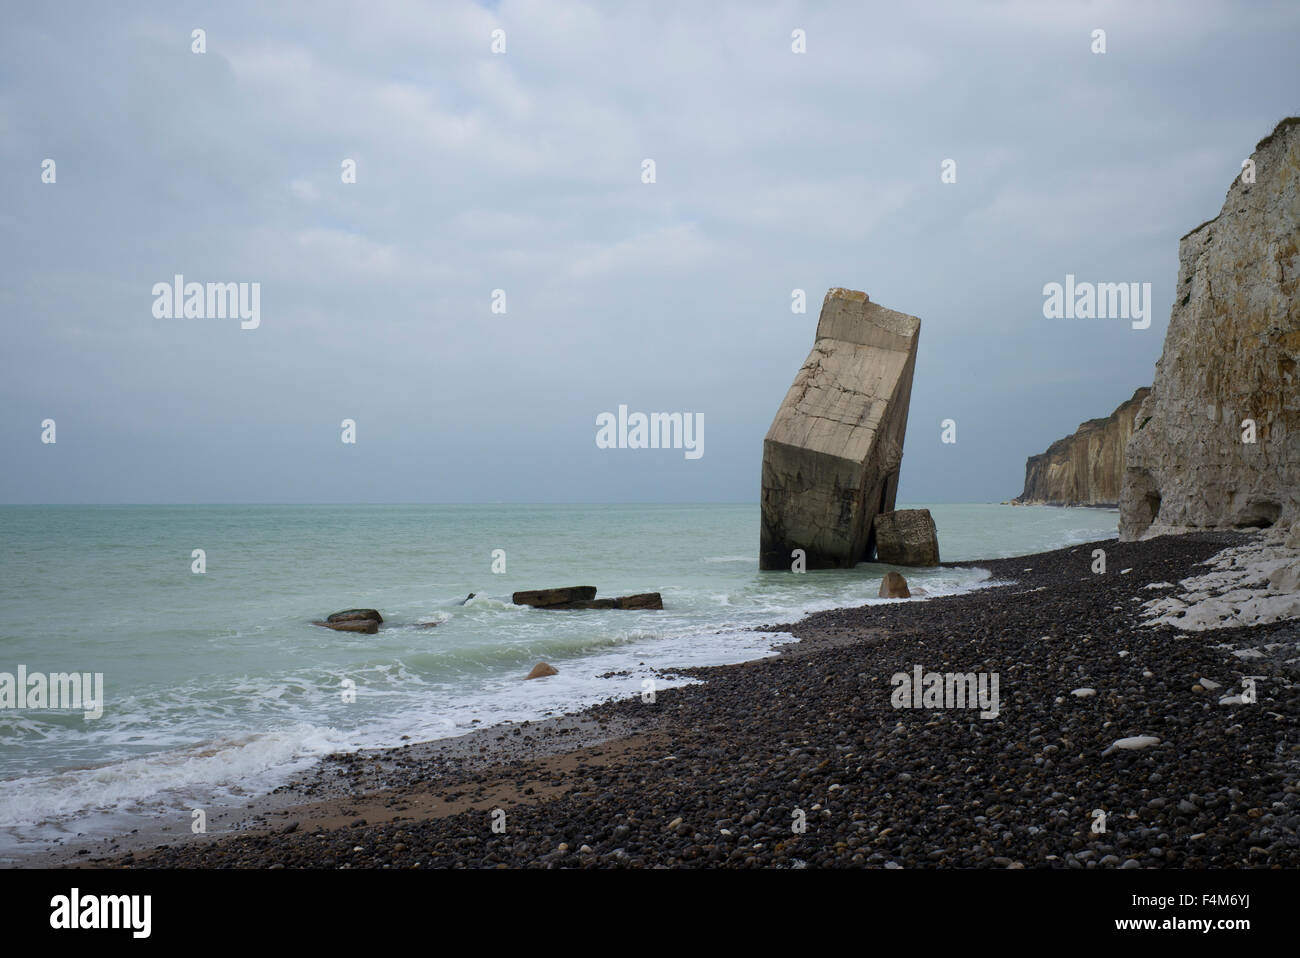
x=907, y=537
x=894, y=586
x=832, y=456
x=584, y=597
x=642, y=600
x=1087, y=468
x=543, y=598
x=1217, y=443
x=362, y=626
x=541, y=670
x=468, y=597
x=352, y=615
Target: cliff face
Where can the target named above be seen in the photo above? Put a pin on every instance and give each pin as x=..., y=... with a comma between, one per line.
x=1084, y=469
x=1230, y=355
x=831, y=458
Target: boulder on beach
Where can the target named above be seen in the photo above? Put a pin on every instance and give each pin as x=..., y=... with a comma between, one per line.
x=1293, y=537
x=894, y=586
x=548, y=598
x=541, y=670
x=362, y=626
x=352, y=615
x=1285, y=578
x=907, y=537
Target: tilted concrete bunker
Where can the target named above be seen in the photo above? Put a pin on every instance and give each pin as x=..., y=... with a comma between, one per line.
x=832, y=456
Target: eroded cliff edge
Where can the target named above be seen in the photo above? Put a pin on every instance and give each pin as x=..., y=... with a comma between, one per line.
x=1086, y=468
x=1217, y=442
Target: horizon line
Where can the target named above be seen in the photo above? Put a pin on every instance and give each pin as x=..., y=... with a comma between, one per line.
x=471, y=502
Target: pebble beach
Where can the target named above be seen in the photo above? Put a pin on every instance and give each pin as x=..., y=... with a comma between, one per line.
x=1117, y=744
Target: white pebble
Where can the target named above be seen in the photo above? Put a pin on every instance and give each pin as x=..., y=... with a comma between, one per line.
x=1132, y=742
x=1084, y=693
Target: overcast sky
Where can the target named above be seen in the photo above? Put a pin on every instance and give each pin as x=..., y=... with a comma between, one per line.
x=522, y=171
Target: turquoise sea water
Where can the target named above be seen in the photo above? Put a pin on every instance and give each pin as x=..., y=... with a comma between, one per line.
x=217, y=686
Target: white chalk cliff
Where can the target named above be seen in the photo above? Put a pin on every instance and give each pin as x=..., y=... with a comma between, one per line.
x=1230, y=355
x=1086, y=468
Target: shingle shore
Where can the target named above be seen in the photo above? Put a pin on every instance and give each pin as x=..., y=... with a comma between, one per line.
x=723, y=771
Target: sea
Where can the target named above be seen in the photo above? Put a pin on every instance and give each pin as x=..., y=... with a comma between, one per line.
x=217, y=688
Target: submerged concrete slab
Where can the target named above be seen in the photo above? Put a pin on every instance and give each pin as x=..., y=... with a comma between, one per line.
x=832, y=455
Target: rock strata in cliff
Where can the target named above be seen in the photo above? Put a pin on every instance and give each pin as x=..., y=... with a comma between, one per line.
x=832, y=456
x=1217, y=443
x=1086, y=468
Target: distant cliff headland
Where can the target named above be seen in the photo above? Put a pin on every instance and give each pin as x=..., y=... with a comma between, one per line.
x=1087, y=467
